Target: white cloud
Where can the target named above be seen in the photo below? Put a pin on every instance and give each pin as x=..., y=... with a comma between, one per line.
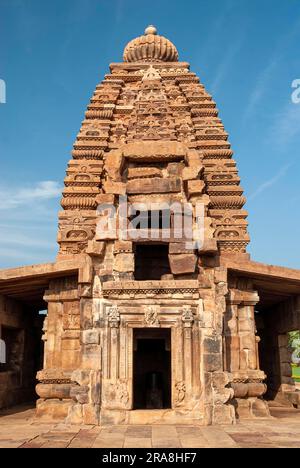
x=286, y=126
x=14, y=197
x=28, y=223
x=269, y=183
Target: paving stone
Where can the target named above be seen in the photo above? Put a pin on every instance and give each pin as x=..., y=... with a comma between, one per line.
x=166, y=443
x=137, y=442
x=105, y=442
x=271, y=433
x=216, y=437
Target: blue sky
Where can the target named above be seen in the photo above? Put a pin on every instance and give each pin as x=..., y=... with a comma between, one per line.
x=52, y=55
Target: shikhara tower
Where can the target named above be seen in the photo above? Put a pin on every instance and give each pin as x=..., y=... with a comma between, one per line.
x=147, y=330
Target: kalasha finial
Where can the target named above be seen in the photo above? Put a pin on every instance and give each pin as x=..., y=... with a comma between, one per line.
x=150, y=47
x=150, y=30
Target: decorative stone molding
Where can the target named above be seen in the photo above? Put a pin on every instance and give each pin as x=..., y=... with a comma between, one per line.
x=151, y=317
x=114, y=317
x=180, y=393
x=187, y=316
x=116, y=395
x=157, y=288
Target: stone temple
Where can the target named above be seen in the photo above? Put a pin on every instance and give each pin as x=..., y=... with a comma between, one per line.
x=149, y=326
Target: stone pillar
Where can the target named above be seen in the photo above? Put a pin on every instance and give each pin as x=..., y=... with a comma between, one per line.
x=241, y=360
x=86, y=378
x=218, y=394
x=188, y=320
x=61, y=351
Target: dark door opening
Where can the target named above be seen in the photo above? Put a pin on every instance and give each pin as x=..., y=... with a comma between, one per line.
x=151, y=261
x=22, y=359
x=152, y=369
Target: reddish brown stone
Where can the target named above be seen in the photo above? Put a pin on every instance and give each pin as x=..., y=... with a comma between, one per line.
x=155, y=185
x=183, y=263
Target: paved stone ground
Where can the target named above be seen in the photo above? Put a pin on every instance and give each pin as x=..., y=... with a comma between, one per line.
x=19, y=429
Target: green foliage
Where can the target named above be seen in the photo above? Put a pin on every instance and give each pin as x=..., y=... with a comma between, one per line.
x=294, y=336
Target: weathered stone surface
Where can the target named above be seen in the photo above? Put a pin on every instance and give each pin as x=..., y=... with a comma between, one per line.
x=195, y=187
x=152, y=132
x=53, y=410
x=182, y=263
x=80, y=394
x=95, y=249
x=209, y=247
x=123, y=247
x=154, y=185
x=192, y=173
x=212, y=345
x=105, y=199
x=48, y=391
x=124, y=262
x=114, y=188
x=90, y=337
x=143, y=172
x=179, y=248
x=213, y=362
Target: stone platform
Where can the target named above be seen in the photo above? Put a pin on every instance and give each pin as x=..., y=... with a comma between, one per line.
x=20, y=429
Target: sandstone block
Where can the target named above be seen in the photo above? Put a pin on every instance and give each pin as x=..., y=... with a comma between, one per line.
x=105, y=199
x=95, y=249
x=179, y=248
x=53, y=410
x=86, y=314
x=154, y=150
x=195, y=187
x=115, y=188
x=220, y=275
x=123, y=247
x=75, y=415
x=90, y=337
x=224, y=415
x=91, y=414
x=182, y=263
x=124, y=262
x=155, y=185
x=192, y=173
x=81, y=376
x=260, y=409
x=212, y=345
x=194, y=158
x=256, y=389
x=95, y=386
x=69, y=344
x=209, y=247
x=48, y=391
x=80, y=394
x=213, y=362
x=143, y=172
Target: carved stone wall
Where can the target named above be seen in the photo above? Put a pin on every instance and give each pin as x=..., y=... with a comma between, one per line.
x=152, y=134
x=161, y=106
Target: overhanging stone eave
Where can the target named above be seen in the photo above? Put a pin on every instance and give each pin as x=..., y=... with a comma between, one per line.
x=274, y=284
x=257, y=270
x=28, y=283
x=40, y=270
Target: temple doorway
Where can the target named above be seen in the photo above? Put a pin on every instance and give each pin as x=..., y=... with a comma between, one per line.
x=152, y=368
